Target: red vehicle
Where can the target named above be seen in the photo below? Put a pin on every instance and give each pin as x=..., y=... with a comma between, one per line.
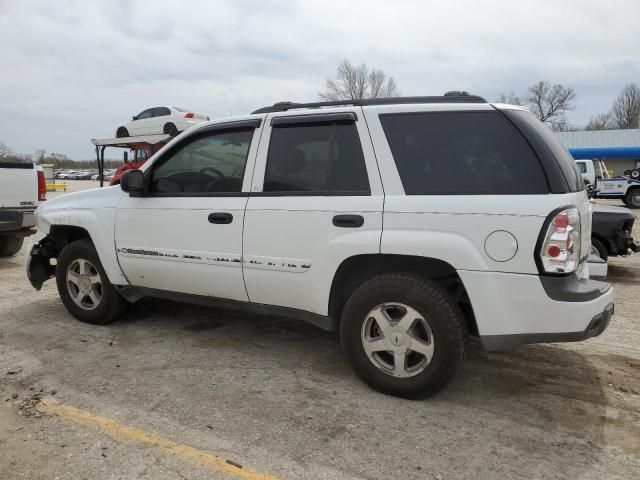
x=140, y=153
x=141, y=149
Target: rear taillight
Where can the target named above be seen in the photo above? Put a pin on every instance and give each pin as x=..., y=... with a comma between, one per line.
x=560, y=248
x=188, y=115
x=42, y=187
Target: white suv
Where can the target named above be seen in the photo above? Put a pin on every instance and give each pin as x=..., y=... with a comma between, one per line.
x=404, y=224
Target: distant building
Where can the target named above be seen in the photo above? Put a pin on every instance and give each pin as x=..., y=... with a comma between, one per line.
x=620, y=149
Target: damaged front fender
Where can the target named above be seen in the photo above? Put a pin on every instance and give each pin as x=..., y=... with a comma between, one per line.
x=38, y=262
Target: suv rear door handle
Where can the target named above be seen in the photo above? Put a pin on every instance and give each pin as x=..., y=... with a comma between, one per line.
x=220, y=217
x=348, y=221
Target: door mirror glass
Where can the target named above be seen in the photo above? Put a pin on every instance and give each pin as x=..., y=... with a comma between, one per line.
x=132, y=181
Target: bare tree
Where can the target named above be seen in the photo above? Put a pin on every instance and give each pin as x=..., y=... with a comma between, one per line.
x=358, y=81
x=511, y=99
x=601, y=121
x=5, y=151
x=626, y=108
x=550, y=103
x=40, y=154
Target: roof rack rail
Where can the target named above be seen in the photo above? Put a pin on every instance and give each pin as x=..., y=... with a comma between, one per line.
x=448, y=97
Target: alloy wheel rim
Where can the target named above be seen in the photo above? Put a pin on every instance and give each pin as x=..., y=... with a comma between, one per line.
x=84, y=284
x=397, y=340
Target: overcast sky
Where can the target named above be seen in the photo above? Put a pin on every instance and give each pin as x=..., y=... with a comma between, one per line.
x=74, y=70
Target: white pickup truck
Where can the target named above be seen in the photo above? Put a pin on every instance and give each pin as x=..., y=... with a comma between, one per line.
x=22, y=187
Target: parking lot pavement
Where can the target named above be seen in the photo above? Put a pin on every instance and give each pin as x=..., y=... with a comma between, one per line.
x=177, y=391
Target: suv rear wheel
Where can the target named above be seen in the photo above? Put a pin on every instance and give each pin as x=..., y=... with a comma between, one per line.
x=403, y=335
x=84, y=287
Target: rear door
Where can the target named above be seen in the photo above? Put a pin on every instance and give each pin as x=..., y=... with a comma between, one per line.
x=316, y=199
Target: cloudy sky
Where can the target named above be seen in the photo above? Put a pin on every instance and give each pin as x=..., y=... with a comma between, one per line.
x=73, y=70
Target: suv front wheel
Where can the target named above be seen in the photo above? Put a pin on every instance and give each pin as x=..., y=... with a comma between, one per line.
x=84, y=287
x=403, y=335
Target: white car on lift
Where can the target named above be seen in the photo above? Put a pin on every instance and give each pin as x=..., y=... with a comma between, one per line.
x=159, y=120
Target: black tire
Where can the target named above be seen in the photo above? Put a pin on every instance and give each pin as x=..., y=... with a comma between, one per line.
x=442, y=314
x=10, y=245
x=602, y=249
x=122, y=132
x=171, y=129
x=632, y=198
x=111, y=306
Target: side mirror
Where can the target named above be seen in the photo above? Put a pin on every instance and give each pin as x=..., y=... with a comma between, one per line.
x=132, y=181
x=125, y=156
x=134, y=118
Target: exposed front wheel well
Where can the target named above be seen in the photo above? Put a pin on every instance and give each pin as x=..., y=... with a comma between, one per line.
x=64, y=234
x=40, y=265
x=356, y=270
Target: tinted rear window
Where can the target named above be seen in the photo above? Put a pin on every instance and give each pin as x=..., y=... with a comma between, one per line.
x=455, y=153
x=318, y=159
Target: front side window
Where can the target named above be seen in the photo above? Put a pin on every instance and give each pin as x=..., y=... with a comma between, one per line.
x=449, y=153
x=145, y=114
x=316, y=159
x=213, y=163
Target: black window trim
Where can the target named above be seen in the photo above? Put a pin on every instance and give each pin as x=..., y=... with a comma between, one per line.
x=466, y=192
x=558, y=182
x=312, y=193
x=190, y=137
x=314, y=120
x=284, y=121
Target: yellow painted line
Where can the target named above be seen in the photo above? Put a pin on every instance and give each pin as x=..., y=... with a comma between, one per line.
x=118, y=430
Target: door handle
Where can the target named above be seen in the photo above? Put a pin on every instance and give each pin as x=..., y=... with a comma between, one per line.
x=348, y=221
x=220, y=217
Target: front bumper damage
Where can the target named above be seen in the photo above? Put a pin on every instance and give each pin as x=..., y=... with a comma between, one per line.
x=38, y=262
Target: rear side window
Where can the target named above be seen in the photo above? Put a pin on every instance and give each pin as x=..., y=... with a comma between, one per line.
x=316, y=159
x=455, y=153
x=161, y=112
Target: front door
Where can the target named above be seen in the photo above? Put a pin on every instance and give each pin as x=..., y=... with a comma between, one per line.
x=185, y=233
x=316, y=200
x=142, y=124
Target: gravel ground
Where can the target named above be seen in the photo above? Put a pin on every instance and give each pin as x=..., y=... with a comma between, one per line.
x=177, y=391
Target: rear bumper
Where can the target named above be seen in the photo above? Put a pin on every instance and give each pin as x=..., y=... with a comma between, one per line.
x=17, y=222
x=597, y=325
x=513, y=309
x=597, y=268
